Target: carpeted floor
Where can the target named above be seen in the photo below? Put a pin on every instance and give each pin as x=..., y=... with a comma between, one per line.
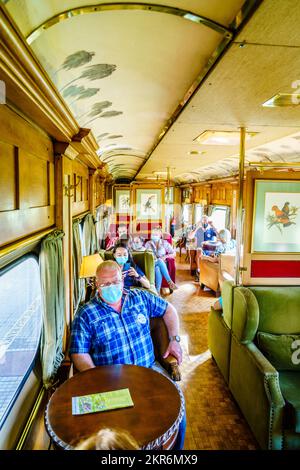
x=213, y=419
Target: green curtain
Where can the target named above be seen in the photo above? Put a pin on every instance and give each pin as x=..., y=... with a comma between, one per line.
x=78, y=284
x=53, y=293
x=227, y=218
x=89, y=235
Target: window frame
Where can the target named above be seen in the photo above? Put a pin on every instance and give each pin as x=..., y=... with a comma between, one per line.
x=35, y=359
x=221, y=207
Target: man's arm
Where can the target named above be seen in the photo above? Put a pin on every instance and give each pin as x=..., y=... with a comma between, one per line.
x=172, y=323
x=82, y=361
x=192, y=234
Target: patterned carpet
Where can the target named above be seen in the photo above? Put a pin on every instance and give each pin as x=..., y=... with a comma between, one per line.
x=213, y=419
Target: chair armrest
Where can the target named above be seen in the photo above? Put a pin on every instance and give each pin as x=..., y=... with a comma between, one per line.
x=173, y=368
x=270, y=374
x=254, y=383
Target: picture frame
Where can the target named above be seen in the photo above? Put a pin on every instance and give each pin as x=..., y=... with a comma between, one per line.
x=122, y=202
x=276, y=217
x=148, y=204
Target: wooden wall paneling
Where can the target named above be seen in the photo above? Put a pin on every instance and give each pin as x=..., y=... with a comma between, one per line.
x=63, y=178
x=8, y=177
x=26, y=178
x=80, y=177
x=34, y=184
x=90, y=190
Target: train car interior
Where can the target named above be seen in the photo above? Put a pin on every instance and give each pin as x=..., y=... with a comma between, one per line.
x=150, y=225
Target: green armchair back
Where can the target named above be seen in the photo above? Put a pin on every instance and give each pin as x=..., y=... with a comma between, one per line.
x=219, y=330
x=269, y=398
x=144, y=260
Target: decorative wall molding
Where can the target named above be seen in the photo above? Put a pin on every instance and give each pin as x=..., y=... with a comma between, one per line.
x=29, y=87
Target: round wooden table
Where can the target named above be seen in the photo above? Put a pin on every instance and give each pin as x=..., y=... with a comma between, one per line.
x=153, y=420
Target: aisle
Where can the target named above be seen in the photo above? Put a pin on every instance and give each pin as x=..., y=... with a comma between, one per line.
x=213, y=419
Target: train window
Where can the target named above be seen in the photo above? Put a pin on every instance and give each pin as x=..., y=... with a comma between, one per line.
x=20, y=327
x=218, y=217
x=198, y=213
x=187, y=214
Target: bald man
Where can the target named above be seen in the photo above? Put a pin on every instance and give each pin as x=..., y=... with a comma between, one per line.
x=114, y=327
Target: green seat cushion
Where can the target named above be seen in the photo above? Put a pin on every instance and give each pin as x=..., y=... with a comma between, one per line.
x=290, y=388
x=281, y=350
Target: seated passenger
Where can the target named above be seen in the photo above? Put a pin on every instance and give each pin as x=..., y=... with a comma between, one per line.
x=161, y=250
x=122, y=236
x=227, y=244
x=136, y=244
x=109, y=439
x=114, y=327
x=133, y=276
x=204, y=231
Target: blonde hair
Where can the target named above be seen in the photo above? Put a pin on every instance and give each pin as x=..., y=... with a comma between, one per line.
x=110, y=265
x=109, y=439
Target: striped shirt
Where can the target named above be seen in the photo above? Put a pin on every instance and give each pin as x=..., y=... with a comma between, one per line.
x=117, y=338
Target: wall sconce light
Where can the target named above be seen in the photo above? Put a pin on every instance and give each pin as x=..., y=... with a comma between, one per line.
x=68, y=187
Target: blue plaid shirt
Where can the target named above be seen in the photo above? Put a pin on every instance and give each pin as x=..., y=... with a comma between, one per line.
x=117, y=338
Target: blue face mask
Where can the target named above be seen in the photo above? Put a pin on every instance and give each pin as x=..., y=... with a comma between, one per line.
x=155, y=238
x=121, y=260
x=111, y=294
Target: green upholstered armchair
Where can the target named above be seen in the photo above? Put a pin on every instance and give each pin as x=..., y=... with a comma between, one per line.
x=219, y=330
x=267, y=396
x=144, y=260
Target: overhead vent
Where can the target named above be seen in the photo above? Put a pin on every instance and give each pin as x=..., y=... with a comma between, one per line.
x=123, y=180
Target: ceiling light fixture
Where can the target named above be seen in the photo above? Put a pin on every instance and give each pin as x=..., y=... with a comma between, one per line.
x=282, y=100
x=197, y=152
x=222, y=137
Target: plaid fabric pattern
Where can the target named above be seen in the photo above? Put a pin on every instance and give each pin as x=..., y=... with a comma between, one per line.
x=117, y=338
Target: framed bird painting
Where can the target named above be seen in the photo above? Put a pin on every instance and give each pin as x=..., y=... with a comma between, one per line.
x=148, y=204
x=276, y=217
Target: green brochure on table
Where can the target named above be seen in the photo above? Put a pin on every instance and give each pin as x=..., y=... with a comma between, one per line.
x=101, y=402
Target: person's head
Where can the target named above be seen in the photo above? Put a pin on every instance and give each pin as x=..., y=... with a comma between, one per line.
x=204, y=221
x=109, y=439
x=137, y=243
x=224, y=236
x=156, y=234
x=122, y=231
x=120, y=254
x=109, y=281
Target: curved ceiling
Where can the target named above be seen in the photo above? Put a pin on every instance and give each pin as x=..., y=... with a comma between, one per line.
x=136, y=74
x=126, y=69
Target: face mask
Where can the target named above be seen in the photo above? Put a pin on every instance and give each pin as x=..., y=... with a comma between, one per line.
x=205, y=225
x=155, y=238
x=123, y=235
x=121, y=260
x=111, y=294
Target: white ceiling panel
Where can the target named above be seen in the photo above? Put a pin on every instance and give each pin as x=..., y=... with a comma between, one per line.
x=124, y=71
